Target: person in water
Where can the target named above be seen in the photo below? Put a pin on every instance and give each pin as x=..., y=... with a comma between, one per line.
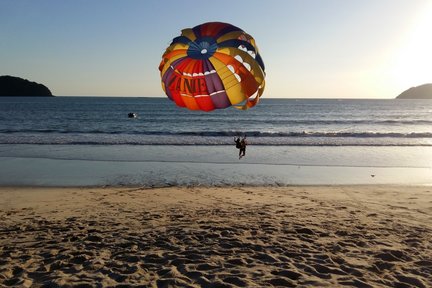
x=238, y=145
x=238, y=142
x=241, y=145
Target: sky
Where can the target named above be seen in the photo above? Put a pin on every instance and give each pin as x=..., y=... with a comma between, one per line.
x=311, y=49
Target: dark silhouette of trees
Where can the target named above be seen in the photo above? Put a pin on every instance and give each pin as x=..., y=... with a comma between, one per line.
x=15, y=86
x=419, y=92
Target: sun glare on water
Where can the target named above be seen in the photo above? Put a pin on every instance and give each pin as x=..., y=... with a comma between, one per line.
x=412, y=66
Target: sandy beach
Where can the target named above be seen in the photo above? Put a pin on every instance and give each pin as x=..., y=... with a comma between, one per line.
x=300, y=236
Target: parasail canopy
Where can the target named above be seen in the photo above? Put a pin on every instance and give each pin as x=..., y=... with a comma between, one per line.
x=213, y=66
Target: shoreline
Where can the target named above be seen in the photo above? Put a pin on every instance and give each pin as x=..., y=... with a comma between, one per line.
x=227, y=186
x=308, y=236
x=161, y=166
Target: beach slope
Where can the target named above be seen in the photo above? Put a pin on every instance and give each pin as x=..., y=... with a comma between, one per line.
x=325, y=236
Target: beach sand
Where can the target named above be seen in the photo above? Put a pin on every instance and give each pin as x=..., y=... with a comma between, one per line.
x=323, y=236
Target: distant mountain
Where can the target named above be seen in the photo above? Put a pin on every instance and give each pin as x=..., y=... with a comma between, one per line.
x=419, y=92
x=15, y=86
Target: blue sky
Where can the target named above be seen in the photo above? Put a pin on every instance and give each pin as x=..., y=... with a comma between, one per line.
x=312, y=49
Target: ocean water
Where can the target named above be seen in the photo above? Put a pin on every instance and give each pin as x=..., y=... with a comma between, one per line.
x=103, y=120
x=78, y=141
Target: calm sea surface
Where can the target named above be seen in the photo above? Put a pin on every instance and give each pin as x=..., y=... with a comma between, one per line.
x=287, y=122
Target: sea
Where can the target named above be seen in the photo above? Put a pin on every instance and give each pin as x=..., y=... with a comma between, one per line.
x=82, y=141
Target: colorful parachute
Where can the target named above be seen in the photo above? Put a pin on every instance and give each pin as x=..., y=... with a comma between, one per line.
x=213, y=66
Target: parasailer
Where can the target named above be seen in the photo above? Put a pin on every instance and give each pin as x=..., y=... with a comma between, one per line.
x=213, y=66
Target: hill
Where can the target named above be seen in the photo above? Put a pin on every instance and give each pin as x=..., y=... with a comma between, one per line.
x=15, y=86
x=419, y=92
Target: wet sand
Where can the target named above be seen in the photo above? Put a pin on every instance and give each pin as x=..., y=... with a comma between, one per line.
x=300, y=236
